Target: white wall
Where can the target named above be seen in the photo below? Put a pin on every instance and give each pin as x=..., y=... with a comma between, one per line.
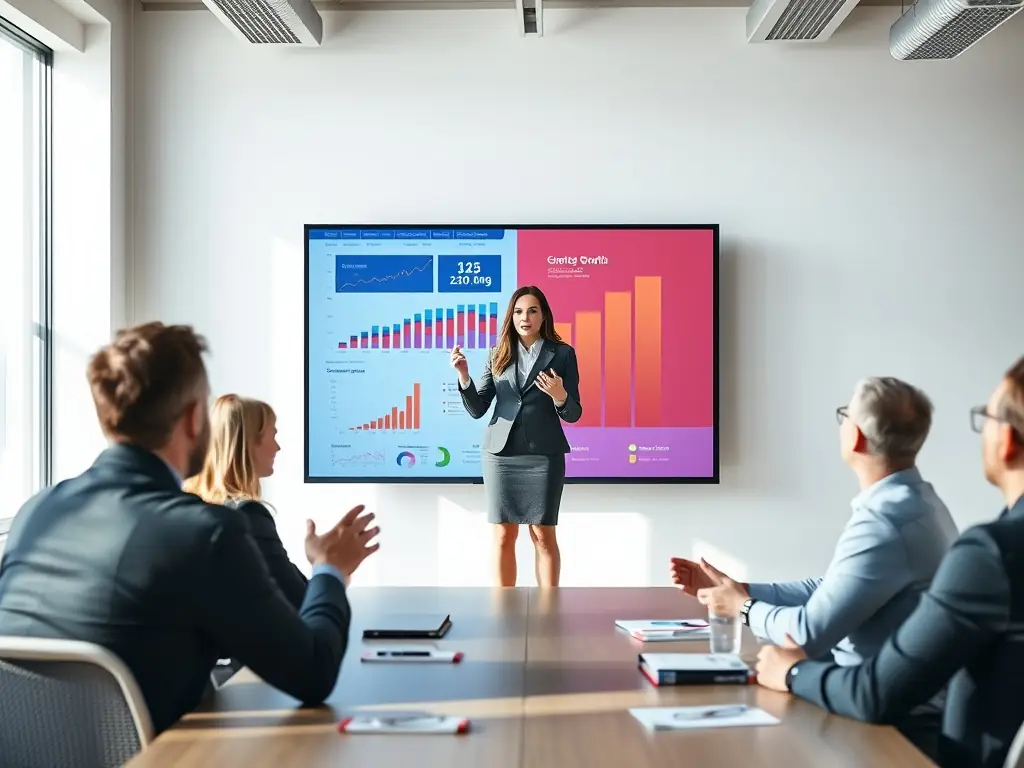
x=870, y=213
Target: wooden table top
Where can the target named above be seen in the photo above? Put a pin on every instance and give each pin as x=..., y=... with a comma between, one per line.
x=547, y=680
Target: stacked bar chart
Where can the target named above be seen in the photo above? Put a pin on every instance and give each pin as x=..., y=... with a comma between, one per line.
x=474, y=326
x=401, y=417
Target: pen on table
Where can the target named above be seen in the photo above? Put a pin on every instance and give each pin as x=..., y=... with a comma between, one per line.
x=679, y=623
x=403, y=653
x=704, y=715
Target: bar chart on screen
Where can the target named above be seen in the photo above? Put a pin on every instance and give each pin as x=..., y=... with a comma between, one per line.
x=474, y=326
x=621, y=379
x=639, y=312
x=402, y=417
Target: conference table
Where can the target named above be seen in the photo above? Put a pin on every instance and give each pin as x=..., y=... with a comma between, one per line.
x=547, y=681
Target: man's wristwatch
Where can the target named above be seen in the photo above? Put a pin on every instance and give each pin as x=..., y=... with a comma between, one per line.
x=789, y=676
x=745, y=610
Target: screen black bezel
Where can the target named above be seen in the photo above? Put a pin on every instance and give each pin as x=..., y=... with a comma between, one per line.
x=713, y=479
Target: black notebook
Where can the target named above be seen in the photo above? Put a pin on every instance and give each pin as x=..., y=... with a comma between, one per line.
x=413, y=627
x=694, y=669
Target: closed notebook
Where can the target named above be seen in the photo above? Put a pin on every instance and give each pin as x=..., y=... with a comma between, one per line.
x=695, y=669
x=665, y=630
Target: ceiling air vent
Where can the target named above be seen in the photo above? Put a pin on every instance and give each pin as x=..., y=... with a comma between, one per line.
x=943, y=29
x=796, y=20
x=270, y=22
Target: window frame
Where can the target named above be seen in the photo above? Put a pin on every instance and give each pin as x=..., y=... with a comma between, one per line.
x=42, y=267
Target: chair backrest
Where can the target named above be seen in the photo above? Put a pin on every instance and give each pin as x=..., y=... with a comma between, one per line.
x=64, y=702
x=1015, y=757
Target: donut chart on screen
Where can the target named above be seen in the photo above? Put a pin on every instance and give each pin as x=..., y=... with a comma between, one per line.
x=385, y=305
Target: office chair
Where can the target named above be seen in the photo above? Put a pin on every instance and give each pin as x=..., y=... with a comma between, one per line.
x=64, y=702
x=1015, y=757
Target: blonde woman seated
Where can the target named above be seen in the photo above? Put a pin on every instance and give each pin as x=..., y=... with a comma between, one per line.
x=243, y=446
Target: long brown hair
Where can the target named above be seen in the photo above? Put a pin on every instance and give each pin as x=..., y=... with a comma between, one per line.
x=229, y=473
x=508, y=337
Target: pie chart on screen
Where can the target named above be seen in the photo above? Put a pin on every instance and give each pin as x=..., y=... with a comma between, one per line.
x=444, y=457
x=406, y=459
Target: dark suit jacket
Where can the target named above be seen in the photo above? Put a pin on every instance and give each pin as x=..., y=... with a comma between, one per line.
x=535, y=409
x=284, y=572
x=121, y=557
x=967, y=630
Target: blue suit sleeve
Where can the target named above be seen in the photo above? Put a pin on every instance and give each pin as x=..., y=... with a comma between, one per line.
x=865, y=573
x=967, y=605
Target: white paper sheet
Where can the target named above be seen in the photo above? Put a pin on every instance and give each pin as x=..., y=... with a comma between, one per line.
x=689, y=718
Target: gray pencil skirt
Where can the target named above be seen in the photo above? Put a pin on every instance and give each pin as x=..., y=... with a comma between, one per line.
x=524, y=489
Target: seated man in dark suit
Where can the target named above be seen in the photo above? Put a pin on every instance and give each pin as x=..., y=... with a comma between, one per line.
x=968, y=629
x=120, y=556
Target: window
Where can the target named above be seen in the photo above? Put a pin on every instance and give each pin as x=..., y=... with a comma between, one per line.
x=25, y=335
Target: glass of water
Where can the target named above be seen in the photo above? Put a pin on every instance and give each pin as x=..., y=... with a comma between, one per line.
x=726, y=633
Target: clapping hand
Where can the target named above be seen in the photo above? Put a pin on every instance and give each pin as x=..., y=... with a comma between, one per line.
x=551, y=384
x=726, y=596
x=692, y=576
x=346, y=545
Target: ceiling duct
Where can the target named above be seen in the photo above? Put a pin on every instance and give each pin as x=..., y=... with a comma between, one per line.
x=273, y=22
x=531, y=17
x=943, y=29
x=796, y=20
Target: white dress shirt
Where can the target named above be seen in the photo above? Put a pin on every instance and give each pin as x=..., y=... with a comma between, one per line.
x=526, y=359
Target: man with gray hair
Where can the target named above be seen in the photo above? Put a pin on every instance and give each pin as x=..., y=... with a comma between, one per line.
x=886, y=557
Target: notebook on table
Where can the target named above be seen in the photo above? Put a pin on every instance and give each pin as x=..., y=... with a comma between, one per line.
x=695, y=669
x=665, y=630
x=429, y=626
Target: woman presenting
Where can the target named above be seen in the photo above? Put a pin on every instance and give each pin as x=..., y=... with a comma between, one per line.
x=534, y=380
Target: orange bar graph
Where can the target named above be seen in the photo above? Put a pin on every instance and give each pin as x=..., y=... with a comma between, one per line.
x=415, y=406
x=647, y=291
x=618, y=362
x=588, y=355
x=564, y=330
x=407, y=417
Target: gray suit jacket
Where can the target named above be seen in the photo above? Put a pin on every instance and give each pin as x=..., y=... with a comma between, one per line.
x=531, y=405
x=968, y=631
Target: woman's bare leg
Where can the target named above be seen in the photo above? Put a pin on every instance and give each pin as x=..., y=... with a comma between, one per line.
x=548, y=558
x=505, y=535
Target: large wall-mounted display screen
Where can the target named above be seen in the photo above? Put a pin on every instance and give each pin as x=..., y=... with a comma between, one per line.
x=385, y=305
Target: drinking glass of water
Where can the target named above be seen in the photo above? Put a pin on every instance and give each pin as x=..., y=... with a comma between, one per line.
x=726, y=633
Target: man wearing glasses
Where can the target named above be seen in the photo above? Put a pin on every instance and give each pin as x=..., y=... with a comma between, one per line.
x=890, y=549
x=967, y=631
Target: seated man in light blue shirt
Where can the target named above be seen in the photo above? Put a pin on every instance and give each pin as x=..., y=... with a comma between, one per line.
x=886, y=557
